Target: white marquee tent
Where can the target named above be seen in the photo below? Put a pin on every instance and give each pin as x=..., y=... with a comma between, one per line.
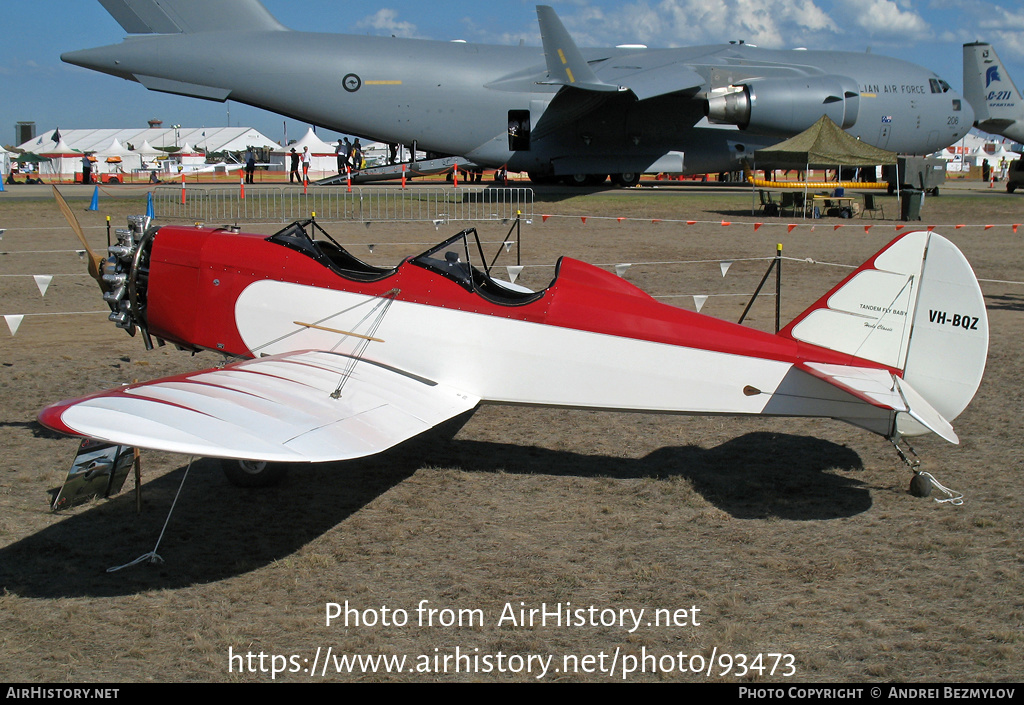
x=122, y=143
x=323, y=159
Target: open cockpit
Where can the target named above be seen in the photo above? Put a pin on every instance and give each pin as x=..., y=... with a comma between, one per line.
x=454, y=259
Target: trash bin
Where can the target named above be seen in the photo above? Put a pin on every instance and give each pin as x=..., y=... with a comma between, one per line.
x=910, y=208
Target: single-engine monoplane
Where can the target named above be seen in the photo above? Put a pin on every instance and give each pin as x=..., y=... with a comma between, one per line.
x=338, y=359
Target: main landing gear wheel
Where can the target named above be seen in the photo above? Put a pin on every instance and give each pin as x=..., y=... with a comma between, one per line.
x=253, y=473
x=586, y=179
x=542, y=179
x=626, y=180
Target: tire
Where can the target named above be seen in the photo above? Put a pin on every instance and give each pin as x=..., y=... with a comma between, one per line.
x=1011, y=187
x=920, y=486
x=626, y=179
x=253, y=473
x=586, y=179
x=541, y=179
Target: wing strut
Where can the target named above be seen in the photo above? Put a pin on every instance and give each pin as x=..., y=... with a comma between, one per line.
x=364, y=340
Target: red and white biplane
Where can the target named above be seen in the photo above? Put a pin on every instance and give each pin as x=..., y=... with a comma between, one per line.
x=340, y=359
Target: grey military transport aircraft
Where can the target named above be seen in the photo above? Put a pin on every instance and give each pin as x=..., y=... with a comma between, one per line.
x=555, y=112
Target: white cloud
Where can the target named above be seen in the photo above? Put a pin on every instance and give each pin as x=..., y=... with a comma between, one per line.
x=385, y=21
x=885, y=18
x=767, y=23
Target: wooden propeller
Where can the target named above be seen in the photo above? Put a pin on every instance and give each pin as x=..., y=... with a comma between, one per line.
x=95, y=261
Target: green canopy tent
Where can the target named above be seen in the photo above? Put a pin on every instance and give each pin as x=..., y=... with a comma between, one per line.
x=823, y=145
x=30, y=158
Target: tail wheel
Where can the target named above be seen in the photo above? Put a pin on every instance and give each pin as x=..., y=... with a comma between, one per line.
x=253, y=473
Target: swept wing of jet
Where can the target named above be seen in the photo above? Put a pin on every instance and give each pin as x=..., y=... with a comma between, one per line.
x=555, y=110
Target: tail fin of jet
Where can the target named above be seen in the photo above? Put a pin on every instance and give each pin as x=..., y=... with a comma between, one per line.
x=998, y=107
x=190, y=16
x=915, y=307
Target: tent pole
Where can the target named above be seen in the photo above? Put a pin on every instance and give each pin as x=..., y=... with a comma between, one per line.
x=807, y=176
x=753, y=176
x=899, y=205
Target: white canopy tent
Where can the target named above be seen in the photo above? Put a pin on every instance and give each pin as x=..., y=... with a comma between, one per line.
x=63, y=160
x=323, y=159
x=115, y=158
x=207, y=139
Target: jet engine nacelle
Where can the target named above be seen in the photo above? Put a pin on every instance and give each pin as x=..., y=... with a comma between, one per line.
x=785, y=105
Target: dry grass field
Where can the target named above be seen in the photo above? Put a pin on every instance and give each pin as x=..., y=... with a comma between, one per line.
x=794, y=537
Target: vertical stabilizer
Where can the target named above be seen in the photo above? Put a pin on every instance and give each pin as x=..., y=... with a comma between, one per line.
x=998, y=107
x=916, y=307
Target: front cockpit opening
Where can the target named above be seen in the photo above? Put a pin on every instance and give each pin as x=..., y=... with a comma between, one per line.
x=301, y=236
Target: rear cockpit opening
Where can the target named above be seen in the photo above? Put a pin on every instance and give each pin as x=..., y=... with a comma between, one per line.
x=453, y=259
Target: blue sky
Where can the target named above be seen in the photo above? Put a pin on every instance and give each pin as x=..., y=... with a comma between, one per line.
x=37, y=86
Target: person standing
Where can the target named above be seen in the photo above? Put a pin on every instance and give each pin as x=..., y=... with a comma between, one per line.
x=293, y=173
x=250, y=166
x=357, y=155
x=86, y=169
x=305, y=164
x=341, y=152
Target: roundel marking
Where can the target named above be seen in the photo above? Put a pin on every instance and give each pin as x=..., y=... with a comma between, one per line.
x=351, y=82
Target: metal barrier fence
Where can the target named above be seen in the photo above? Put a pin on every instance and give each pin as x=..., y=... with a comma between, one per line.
x=225, y=204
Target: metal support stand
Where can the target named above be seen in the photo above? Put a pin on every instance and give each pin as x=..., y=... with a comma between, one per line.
x=777, y=265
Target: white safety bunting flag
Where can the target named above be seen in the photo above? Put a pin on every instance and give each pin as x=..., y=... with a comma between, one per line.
x=13, y=321
x=42, y=282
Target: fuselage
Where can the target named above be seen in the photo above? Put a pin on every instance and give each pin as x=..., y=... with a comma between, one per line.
x=463, y=99
x=590, y=340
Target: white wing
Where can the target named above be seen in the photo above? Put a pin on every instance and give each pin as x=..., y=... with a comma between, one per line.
x=275, y=408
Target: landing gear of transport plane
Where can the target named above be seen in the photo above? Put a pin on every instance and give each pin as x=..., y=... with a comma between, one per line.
x=626, y=179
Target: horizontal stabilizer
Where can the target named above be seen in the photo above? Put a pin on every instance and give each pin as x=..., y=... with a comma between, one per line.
x=883, y=389
x=190, y=16
x=923, y=413
x=566, y=65
x=279, y=408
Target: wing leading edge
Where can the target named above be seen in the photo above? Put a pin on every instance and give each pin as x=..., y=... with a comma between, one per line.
x=277, y=408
